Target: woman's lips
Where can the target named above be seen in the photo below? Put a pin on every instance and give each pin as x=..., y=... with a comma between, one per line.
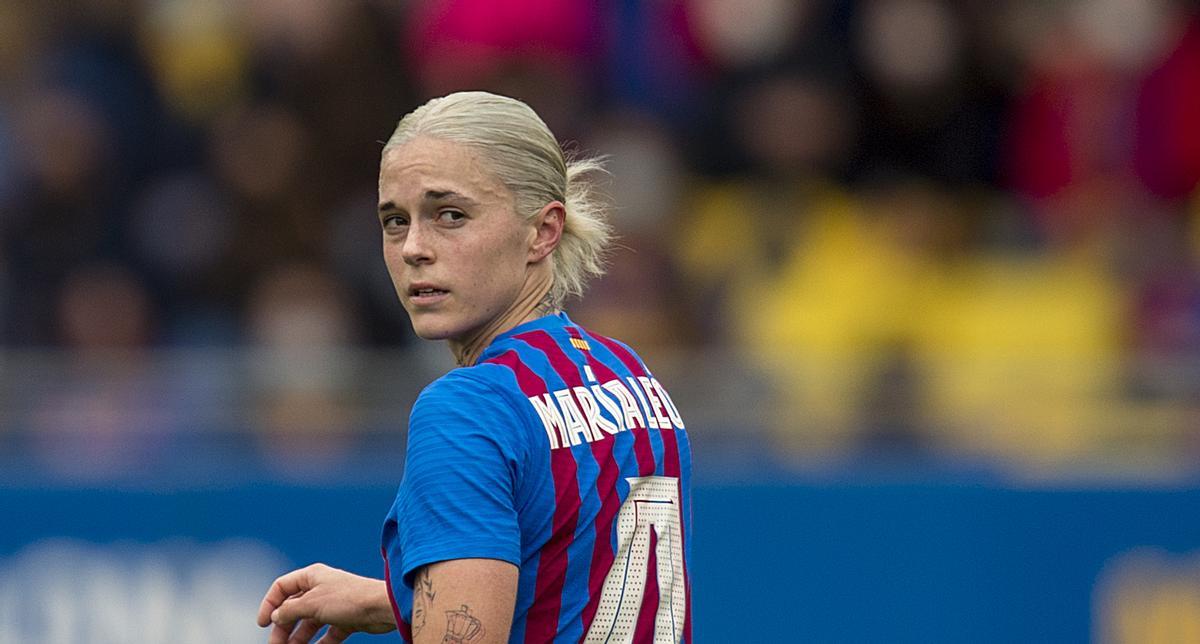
x=426, y=295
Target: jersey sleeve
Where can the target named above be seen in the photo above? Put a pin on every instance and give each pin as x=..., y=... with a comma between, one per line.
x=457, y=497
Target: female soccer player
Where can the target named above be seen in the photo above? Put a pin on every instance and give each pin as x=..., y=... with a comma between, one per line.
x=545, y=495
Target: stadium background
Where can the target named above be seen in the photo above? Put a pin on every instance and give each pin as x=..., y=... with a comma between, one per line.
x=922, y=276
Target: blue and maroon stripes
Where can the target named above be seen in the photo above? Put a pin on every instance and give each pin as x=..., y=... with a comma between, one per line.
x=541, y=623
x=569, y=493
x=607, y=489
x=671, y=466
x=588, y=478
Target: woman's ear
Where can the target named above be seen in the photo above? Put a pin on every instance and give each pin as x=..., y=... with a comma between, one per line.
x=548, y=226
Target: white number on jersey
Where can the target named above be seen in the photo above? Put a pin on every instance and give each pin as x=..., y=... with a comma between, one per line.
x=653, y=504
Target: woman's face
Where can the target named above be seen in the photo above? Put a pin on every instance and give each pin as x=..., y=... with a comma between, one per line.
x=454, y=246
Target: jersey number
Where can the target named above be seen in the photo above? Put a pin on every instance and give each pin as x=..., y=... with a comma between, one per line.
x=651, y=514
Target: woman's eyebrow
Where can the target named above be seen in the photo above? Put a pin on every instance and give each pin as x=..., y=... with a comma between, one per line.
x=431, y=195
x=438, y=195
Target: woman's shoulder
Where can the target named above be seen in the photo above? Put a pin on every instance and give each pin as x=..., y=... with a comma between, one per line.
x=472, y=404
x=459, y=381
x=483, y=388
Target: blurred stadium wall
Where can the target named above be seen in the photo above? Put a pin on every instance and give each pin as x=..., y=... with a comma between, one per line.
x=923, y=276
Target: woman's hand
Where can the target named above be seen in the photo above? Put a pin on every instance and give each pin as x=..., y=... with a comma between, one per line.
x=303, y=601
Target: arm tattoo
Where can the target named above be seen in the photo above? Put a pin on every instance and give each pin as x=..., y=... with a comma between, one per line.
x=422, y=598
x=462, y=627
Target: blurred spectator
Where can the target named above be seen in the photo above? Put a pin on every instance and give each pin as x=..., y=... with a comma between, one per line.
x=793, y=127
x=739, y=235
x=22, y=32
x=65, y=211
x=198, y=54
x=1164, y=333
x=8, y=169
x=1072, y=128
x=537, y=50
x=100, y=417
x=746, y=34
x=67, y=144
x=309, y=30
x=928, y=107
x=302, y=327
x=640, y=297
x=258, y=151
x=338, y=66
x=743, y=238
x=1167, y=149
x=181, y=230
x=103, y=308
x=262, y=157
x=859, y=278
x=655, y=60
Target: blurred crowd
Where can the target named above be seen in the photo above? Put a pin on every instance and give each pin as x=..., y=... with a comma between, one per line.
x=915, y=225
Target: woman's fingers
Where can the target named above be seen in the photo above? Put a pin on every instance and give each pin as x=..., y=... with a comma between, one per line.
x=280, y=633
x=334, y=635
x=305, y=631
x=293, y=583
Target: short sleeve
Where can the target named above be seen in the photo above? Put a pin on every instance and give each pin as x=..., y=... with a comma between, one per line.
x=457, y=497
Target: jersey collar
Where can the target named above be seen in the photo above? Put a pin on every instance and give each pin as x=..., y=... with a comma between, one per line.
x=544, y=323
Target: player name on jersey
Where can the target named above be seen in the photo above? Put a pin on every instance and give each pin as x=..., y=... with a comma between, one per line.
x=573, y=415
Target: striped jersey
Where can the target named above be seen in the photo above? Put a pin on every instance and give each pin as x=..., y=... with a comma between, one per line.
x=561, y=453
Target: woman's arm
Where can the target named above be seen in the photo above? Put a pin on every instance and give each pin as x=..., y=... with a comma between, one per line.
x=464, y=600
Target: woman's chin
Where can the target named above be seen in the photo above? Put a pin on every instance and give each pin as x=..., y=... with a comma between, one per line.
x=433, y=329
x=432, y=333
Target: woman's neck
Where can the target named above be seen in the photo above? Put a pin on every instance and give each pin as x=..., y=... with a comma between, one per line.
x=533, y=303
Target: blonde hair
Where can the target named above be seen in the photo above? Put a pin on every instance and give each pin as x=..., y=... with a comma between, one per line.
x=518, y=146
